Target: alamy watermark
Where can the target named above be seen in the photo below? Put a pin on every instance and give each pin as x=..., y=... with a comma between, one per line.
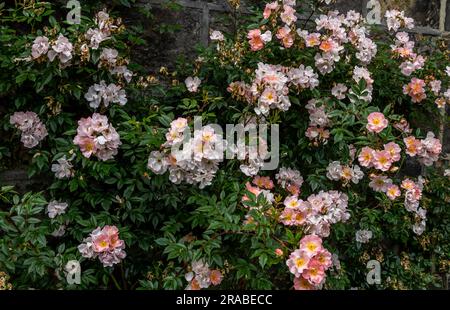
x=74, y=15
x=241, y=141
x=374, y=275
x=73, y=272
x=373, y=12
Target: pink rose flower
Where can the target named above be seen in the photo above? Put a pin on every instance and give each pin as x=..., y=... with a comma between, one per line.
x=376, y=122
x=394, y=150
x=382, y=160
x=298, y=262
x=393, y=192
x=366, y=156
x=312, y=244
x=255, y=40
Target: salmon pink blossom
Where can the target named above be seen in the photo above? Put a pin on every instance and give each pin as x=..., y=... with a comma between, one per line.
x=376, y=122
x=415, y=89
x=394, y=150
x=382, y=160
x=105, y=244
x=366, y=156
x=393, y=192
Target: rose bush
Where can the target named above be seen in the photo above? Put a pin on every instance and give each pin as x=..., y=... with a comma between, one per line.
x=80, y=114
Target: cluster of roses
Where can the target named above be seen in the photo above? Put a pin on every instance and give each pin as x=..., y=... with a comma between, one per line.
x=105, y=244
x=61, y=48
x=380, y=159
x=285, y=11
x=412, y=193
x=417, y=91
x=317, y=213
x=318, y=123
x=338, y=172
x=96, y=136
x=105, y=27
x=106, y=94
x=404, y=49
x=338, y=30
x=111, y=93
x=270, y=87
x=32, y=129
x=202, y=276
x=396, y=19
x=197, y=162
x=309, y=263
x=427, y=150
x=288, y=179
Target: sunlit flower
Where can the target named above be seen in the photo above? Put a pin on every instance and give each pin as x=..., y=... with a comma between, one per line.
x=393, y=192
x=298, y=262
x=311, y=244
x=376, y=122
x=366, y=156
x=382, y=160
x=394, y=150
x=415, y=89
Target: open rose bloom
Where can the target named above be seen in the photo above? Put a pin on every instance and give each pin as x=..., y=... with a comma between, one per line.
x=376, y=122
x=104, y=244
